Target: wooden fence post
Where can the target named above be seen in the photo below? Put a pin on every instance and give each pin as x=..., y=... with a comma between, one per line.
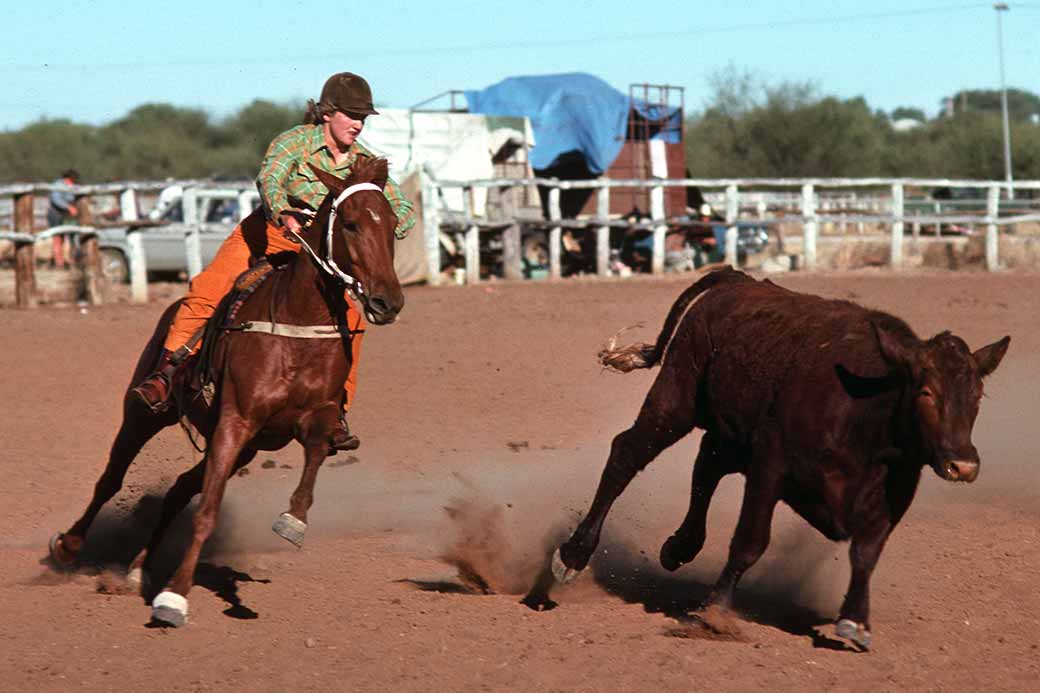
x=135, y=246
x=192, y=241
x=732, y=212
x=555, y=233
x=897, y=225
x=809, y=225
x=603, y=231
x=25, y=255
x=93, y=279
x=657, y=217
x=512, y=250
x=992, y=230
x=472, y=238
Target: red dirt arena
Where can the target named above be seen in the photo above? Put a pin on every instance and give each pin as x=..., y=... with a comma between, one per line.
x=486, y=422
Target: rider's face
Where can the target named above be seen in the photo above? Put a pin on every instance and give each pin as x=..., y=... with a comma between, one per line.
x=343, y=127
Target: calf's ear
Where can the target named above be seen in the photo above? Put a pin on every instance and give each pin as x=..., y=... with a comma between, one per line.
x=989, y=356
x=892, y=347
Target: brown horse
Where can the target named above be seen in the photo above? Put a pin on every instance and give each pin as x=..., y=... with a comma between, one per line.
x=268, y=388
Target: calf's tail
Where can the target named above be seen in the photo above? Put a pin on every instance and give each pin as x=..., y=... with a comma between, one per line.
x=643, y=355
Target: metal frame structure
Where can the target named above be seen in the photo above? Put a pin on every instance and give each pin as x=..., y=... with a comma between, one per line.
x=660, y=95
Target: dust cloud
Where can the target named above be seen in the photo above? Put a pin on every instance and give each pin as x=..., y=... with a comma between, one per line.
x=495, y=516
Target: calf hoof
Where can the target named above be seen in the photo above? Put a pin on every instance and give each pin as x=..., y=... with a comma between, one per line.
x=170, y=608
x=62, y=557
x=561, y=573
x=856, y=633
x=290, y=529
x=677, y=552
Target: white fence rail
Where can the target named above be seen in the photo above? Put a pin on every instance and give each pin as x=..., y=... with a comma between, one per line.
x=812, y=200
x=808, y=202
x=24, y=236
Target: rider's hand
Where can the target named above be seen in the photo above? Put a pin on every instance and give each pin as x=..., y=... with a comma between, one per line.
x=290, y=223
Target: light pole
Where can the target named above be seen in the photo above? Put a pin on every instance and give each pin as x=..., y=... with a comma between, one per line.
x=1001, y=8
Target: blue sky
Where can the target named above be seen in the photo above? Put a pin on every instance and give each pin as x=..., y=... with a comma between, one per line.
x=94, y=61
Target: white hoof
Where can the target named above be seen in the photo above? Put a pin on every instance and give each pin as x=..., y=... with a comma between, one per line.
x=857, y=633
x=170, y=608
x=290, y=528
x=561, y=572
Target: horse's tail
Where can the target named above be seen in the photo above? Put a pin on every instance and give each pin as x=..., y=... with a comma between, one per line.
x=643, y=355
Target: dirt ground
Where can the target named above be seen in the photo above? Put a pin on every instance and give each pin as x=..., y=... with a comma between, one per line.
x=486, y=422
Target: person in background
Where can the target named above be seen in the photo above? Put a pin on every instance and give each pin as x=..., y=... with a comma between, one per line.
x=62, y=210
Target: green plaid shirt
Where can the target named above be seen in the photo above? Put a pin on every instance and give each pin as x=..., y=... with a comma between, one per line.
x=284, y=172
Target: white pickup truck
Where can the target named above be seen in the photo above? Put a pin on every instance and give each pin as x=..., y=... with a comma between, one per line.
x=164, y=231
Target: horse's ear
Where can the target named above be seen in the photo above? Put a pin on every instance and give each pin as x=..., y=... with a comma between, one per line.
x=380, y=172
x=333, y=183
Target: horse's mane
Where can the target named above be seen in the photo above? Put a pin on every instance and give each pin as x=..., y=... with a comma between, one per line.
x=366, y=169
x=374, y=169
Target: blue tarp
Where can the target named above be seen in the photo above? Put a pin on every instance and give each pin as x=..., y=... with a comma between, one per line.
x=568, y=112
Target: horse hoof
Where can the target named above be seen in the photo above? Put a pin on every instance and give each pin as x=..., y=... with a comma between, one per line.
x=561, y=572
x=58, y=553
x=856, y=633
x=290, y=529
x=170, y=608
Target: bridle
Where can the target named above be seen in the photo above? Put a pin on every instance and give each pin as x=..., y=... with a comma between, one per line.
x=328, y=264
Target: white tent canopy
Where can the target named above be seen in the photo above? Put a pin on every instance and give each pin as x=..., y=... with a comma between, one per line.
x=444, y=146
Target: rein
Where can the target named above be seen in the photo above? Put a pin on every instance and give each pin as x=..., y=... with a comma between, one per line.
x=328, y=264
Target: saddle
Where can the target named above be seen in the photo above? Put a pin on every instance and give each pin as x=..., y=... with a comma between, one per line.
x=201, y=375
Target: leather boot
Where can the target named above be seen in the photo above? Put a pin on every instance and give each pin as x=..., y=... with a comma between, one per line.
x=154, y=391
x=342, y=439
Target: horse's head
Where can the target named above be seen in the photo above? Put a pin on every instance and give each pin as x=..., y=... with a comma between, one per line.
x=362, y=236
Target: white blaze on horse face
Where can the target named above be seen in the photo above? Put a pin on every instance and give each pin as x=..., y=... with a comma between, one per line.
x=375, y=217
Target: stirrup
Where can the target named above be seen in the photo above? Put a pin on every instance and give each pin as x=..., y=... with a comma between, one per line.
x=348, y=441
x=351, y=442
x=165, y=373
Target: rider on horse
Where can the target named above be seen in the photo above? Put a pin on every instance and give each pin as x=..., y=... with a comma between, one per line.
x=289, y=192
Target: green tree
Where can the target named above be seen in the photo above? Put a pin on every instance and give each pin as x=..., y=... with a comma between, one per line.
x=1022, y=105
x=42, y=150
x=153, y=141
x=750, y=129
x=909, y=112
x=255, y=125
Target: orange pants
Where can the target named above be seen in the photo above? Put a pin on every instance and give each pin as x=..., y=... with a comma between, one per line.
x=253, y=236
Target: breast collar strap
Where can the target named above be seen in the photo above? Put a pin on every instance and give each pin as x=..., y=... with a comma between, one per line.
x=328, y=264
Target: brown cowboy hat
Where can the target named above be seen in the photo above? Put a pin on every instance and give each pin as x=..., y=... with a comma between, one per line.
x=347, y=92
